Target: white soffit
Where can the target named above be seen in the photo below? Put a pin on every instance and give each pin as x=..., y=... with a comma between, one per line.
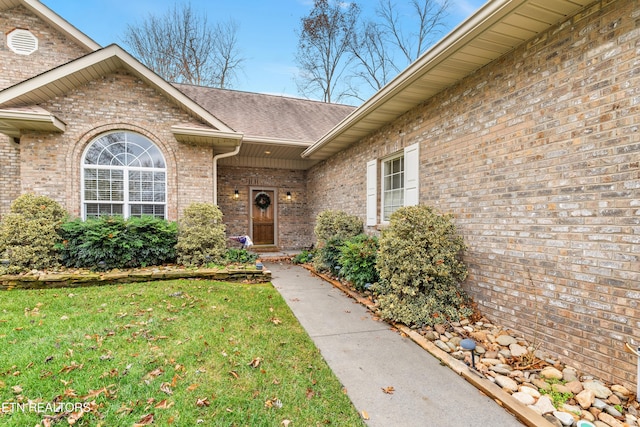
x=494, y=30
x=12, y=122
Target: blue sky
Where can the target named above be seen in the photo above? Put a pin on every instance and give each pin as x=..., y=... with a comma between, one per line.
x=267, y=30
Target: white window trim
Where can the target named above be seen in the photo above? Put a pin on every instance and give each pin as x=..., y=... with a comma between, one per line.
x=411, y=183
x=126, y=204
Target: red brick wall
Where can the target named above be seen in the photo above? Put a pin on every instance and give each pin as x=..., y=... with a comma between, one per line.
x=537, y=155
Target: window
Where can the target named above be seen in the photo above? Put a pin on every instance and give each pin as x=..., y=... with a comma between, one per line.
x=398, y=184
x=123, y=173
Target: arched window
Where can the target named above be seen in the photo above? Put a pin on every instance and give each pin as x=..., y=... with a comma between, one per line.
x=123, y=173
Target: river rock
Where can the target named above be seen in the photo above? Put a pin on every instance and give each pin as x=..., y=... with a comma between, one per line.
x=601, y=391
x=506, y=382
x=524, y=398
x=569, y=374
x=442, y=346
x=575, y=386
x=530, y=391
x=517, y=350
x=545, y=405
x=506, y=340
x=565, y=418
x=586, y=398
x=606, y=418
x=551, y=373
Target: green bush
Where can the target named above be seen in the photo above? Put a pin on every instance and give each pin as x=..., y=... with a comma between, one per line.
x=331, y=230
x=420, y=269
x=201, y=235
x=240, y=256
x=332, y=224
x=358, y=257
x=29, y=233
x=303, y=257
x=113, y=242
x=327, y=257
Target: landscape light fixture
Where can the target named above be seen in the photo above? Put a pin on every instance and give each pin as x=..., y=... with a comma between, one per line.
x=469, y=344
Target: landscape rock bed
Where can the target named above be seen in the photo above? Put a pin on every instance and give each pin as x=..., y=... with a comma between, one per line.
x=535, y=379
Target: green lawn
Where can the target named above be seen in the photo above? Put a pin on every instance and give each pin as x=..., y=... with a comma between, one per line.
x=163, y=353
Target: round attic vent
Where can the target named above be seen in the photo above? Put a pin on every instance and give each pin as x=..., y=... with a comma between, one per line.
x=22, y=42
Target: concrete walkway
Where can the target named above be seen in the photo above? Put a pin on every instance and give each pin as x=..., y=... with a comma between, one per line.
x=368, y=356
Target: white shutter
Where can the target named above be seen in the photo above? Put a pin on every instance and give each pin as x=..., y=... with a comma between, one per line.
x=372, y=193
x=412, y=175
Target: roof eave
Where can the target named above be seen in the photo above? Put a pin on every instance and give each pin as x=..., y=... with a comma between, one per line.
x=13, y=123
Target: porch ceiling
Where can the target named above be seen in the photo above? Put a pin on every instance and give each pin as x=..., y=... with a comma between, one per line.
x=494, y=30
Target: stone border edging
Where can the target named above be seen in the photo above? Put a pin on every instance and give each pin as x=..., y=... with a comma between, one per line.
x=526, y=415
x=68, y=280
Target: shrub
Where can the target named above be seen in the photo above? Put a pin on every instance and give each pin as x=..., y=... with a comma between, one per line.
x=201, y=235
x=331, y=230
x=303, y=257
x=29, y=233
x=240, y=256
x=336, y=225
x=420, y=269
x=328, y=256
x=358, y=257
x=113, y=242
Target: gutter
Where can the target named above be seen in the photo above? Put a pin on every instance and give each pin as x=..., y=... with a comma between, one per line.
x=235, y=151
x=492, y=12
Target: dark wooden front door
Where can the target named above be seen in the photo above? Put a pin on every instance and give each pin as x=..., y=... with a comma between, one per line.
x=263, y=218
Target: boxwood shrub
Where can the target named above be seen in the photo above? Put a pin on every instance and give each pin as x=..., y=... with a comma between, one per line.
x=421, y=269
x=201, y=235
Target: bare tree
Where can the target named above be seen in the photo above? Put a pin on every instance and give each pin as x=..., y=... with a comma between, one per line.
x=181, y=47
x=323, y=48
x=413, y=40
x=382, y=48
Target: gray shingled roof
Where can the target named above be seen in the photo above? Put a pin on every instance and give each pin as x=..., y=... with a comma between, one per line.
x=270, y=116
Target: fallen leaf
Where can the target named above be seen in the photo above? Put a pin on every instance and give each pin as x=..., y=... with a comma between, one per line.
x=74, y=417
x=275, y=321
x=153, y=374
x=255, y=362
x=166, y=387
x=163, y=404
x=388, y=390
x=365, y=416
x=286, y=423
x=202, y=402
x=310, y=393
x=234, y=374
x=193, y=387
x=144, y=421
x=16, y=389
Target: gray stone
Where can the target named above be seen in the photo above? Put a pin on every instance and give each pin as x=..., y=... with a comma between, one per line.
x=612, y=411
x=480, y=349
x=442, y=346
x=601, y=391
x=553, y=420
x=431, y=336
x=597, y=403
x=524, y=398
x=505, y=353
x=506, y=382
x=529, y=390
x=506, y=340
x=551, y=373
x=569, y=374
x=565, y=418
x=517, y=350
x=541, y=384
x=545, y=405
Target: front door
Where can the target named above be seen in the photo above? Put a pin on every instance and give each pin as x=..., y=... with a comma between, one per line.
x=263, y=217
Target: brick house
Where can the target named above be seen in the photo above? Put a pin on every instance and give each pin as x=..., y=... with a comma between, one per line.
x=523, y=122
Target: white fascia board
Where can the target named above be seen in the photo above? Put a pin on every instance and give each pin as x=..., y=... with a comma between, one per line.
x=487, y=15
x=57, y=21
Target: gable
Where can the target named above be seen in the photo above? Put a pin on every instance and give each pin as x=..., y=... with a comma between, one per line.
x=34, y=40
